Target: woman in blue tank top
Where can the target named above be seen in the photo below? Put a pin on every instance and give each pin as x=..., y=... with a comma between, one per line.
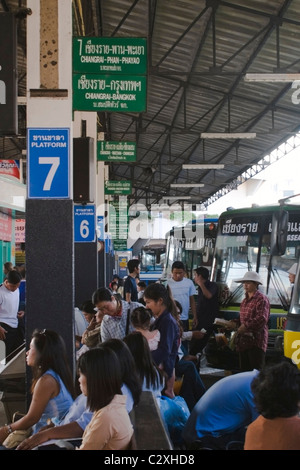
x=52, y=384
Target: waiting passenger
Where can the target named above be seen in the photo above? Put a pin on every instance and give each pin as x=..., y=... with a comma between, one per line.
x=73, y=425
x=222, y=413
x=159, y=300
x=92, y=335
x=251, y=338
x=141, y=319
x=141, y=289
x=132, y=385
x=130, y=285
x=10, y=331
x=116, y=320
x=150, y=375
x=276, y=393
x=52, y=384
x=100, y=379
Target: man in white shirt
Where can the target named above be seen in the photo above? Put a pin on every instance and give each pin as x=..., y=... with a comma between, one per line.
x=183, y=290
x=9, y=306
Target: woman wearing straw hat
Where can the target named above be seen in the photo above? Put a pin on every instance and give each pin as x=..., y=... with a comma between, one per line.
x=252, y=328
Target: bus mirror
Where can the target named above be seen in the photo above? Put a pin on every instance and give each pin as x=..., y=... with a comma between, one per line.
x=279, y=233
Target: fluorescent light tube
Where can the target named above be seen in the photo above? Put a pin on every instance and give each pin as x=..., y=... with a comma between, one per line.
x=203, y=166
x=228, y=135
x=174, y=198
x=271, y=77
x=184, y=185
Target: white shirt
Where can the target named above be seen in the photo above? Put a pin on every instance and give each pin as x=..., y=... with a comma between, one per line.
x=9, y=306
x=182, y=291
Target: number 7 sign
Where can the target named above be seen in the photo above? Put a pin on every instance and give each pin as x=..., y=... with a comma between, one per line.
x=48, y=156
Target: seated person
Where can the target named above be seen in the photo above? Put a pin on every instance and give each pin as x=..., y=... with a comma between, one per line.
x=222, y=413
x=52, y=384
x=79, y=415
x=277, y=398
x=100, y=379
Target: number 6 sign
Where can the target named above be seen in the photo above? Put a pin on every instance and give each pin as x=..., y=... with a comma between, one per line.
x=84, y=223
x=48, y=163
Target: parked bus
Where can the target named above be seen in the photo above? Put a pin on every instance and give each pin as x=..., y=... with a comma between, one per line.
x=152, y=257
x=193, y=244
x=263, y=239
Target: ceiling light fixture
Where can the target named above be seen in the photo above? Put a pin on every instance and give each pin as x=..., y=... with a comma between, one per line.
x=228, y=135
x=271, y=77
x=185, y=185
x=175, y=198
x=203, y=166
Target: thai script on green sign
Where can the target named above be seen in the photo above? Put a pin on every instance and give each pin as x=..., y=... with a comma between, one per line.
x=110, y=55
x=108, y=93
x=116, y=151
x=117, y=187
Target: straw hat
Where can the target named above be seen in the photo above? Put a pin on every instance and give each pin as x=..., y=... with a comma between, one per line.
x=293, y=269
x=250, y=276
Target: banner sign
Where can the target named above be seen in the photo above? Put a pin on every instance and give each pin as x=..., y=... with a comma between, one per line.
x=6, y=226
x=110, y=55
x=117, y=187
x=119, y=93
x=10, y=168
x=20, y=231
x=116, y=151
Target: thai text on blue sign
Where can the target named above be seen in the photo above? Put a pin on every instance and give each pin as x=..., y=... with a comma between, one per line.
x=84, y=223
x=48, y=163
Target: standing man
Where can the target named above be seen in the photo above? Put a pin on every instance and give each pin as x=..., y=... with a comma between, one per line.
x=183, y=290
x=207, y=308
x=9, y=306
x=130, y=285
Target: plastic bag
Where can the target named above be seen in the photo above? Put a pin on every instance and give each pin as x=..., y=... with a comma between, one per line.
x=16, y=437
x=175, y=413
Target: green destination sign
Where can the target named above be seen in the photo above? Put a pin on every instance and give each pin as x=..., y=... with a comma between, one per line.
x=117, y=187
x=109, y=151
x=109, y=93
x=110, y=55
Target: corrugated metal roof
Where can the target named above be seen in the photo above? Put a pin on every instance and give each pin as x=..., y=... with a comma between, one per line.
x=199, y=52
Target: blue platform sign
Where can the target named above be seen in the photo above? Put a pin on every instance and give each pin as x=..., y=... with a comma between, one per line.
x=48, y=155
x=84, y=223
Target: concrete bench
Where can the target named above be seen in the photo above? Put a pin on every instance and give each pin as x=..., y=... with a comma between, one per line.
x=149, y=429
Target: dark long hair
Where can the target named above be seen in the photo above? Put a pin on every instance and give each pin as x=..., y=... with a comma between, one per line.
x=128, y=369
x=157, y=291
x=103, y=375
x=104, y=294
x=146, y=368
x=51, y=354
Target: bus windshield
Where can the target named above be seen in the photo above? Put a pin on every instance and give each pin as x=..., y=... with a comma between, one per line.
x=244, y=244
x=193, y=244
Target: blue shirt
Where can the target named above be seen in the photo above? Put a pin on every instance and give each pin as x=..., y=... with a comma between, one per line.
x=225, y=407
x=168, y=345
x=131, y=287
x=58, y=406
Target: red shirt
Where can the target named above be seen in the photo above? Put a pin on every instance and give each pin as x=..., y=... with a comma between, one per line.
x=254, y=314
